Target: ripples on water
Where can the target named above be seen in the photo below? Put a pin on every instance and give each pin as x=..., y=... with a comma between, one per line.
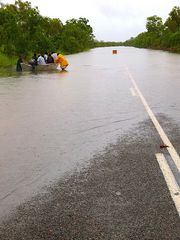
x=51, y=122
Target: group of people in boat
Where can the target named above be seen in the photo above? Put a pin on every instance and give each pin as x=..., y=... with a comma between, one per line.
x=47, y=58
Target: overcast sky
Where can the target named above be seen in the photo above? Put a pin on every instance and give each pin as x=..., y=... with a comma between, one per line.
x=111, y=20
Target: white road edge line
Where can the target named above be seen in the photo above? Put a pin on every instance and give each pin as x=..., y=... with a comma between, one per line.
x=170, y=180
x=174, y=155
x=133, y=92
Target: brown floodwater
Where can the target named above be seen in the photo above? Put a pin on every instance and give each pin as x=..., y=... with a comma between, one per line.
x=52, y=123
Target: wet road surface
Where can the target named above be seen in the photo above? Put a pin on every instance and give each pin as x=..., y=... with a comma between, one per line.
x=83, y=134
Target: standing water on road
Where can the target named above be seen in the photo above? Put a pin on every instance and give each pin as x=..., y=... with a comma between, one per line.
x=52, y=123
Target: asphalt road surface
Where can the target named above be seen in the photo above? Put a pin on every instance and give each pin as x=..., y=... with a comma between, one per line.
x=92, y=153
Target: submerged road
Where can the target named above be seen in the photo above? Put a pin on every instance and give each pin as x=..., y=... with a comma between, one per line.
x=92, y=153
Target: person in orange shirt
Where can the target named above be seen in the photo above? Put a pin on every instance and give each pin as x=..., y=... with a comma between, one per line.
x=62, y=61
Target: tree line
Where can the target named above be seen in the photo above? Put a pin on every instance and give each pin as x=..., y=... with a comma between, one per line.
x=107, y=44
x=160, y=35
x=23, y=30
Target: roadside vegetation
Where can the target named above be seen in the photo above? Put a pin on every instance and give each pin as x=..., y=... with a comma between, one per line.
x=24, y=31
x=7, y=61
x=6, y=64
x=160, y=35
x=107, y=44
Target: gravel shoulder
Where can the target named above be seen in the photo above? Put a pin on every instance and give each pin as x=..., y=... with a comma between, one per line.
x=120, y=195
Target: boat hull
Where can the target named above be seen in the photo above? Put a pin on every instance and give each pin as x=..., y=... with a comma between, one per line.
x=48, y=67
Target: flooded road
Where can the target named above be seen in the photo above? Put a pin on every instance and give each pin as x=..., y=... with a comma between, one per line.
x=54, y=123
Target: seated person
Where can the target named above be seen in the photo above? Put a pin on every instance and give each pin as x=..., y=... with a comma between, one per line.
x=40, y=60
x=50, y=59
x=33, y=61
x=54, y=55
x=45, y=56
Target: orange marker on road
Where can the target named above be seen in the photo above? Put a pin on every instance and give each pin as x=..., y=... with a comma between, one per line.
x=114, y=51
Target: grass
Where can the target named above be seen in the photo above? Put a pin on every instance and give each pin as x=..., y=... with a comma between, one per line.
x=6, y=61
x=7, y=64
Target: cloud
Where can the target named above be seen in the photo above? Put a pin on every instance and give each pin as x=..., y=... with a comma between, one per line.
x=116, y=20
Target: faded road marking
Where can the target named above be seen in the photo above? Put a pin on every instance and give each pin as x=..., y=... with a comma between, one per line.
x=133, y=92
x=170, y=180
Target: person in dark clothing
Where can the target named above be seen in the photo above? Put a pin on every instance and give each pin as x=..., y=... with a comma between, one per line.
x=50, y=59
x=33, y=62
x=18, y=64
x=45, y=56
x=35, y=59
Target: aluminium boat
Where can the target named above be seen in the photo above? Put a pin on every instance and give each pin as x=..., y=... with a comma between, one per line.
x=46, y=67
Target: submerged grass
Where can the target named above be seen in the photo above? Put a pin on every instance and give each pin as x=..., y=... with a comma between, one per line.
x=7, y=65
x=6, y=61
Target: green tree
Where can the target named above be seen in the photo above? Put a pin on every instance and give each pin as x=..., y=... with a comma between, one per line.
x=8, y=28
x=155, y=25
x=24, y=30
x=160, y=36
x=173, y=21
x=77, y=35
x=18, y=22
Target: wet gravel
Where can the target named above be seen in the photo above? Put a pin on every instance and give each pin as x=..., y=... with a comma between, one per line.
x=120, y=195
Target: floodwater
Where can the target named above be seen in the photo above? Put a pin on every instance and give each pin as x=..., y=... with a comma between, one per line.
x=52, y=123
